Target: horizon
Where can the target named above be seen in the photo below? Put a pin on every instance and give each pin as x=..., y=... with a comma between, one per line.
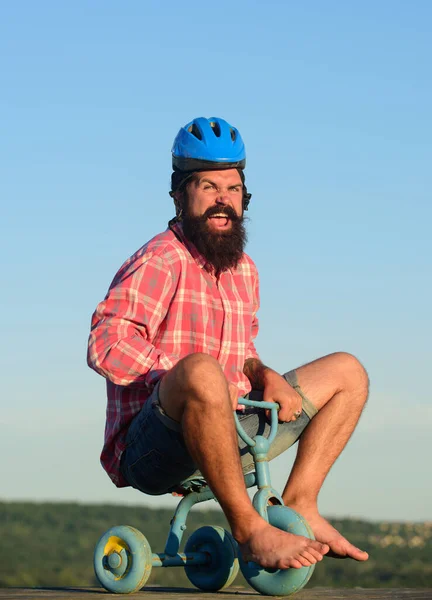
x=201, y=508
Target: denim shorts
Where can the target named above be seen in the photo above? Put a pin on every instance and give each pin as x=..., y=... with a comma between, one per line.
x=156, y=460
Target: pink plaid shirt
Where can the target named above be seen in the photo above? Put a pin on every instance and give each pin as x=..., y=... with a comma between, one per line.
x=163, y=305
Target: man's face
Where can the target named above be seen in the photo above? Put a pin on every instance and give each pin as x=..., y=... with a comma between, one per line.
x=217, y=196
x=213, y=217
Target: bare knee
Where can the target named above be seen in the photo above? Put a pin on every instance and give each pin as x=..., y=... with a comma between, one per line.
x=353, y=375
x=195, y=378
x=201, y=375
x=197, y=366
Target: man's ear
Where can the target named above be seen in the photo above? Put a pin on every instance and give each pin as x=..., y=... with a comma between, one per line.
x=178, y=198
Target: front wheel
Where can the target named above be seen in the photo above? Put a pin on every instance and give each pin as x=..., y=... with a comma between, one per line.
x=280, y=582
x=122, y=560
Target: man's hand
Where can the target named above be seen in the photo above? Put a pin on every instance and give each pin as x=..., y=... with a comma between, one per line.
x=233, y=392
x=277, y=389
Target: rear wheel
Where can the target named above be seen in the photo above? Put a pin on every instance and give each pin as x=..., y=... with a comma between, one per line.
x=223, y=564
x=123, y=560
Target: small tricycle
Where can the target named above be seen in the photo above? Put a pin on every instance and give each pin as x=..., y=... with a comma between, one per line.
x=123, y=559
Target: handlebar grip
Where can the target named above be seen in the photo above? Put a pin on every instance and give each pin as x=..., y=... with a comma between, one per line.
x=259, y=404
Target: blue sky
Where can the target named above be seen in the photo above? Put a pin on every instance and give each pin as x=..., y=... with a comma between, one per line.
x=333, y=101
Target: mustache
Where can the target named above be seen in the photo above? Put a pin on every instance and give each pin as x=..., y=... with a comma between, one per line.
x=228, y=211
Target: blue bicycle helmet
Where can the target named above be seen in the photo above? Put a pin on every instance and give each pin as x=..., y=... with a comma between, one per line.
x=204, y=143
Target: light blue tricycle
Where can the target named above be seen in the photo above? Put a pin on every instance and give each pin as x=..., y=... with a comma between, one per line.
x=123, y=559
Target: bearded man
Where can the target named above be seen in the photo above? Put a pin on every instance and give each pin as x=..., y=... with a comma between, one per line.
x=174, y=339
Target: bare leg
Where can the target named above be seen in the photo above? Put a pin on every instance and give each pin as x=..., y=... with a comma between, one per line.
x=338, y=385
x=195, y=393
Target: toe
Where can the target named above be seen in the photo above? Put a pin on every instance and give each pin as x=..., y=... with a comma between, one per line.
x=296, y=564
x=305, y=562
x=317, y=555
x=310, y=557
x=360, y=554
x=346, y=550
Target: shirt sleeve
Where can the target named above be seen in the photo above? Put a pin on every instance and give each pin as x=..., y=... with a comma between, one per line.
x=251, y=351
x=123, y=324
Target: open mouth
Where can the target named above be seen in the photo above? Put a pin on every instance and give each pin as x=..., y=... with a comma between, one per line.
x=220, y=220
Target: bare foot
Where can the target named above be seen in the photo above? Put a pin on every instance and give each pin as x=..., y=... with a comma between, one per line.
x=340, y=547
x=273, y=548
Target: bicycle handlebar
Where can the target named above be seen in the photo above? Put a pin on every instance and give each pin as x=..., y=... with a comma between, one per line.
x=273, y=406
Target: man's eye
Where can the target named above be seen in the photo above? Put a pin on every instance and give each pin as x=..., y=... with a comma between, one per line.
x=208, y=186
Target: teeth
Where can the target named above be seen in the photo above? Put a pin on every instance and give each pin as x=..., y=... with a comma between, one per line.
x=220, y=215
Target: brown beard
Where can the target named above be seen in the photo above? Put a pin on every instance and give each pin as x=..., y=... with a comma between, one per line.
x=222, y=250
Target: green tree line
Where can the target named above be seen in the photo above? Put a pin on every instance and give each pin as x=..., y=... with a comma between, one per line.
x=52, y=544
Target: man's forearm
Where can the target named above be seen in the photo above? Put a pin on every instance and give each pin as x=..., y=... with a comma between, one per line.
x=257, y=373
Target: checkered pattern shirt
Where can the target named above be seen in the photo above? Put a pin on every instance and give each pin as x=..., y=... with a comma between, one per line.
x=164, y=304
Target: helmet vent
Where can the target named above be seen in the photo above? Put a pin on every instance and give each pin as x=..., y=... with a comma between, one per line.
x=194, y=130
x=233, y=134
x=216, y=128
